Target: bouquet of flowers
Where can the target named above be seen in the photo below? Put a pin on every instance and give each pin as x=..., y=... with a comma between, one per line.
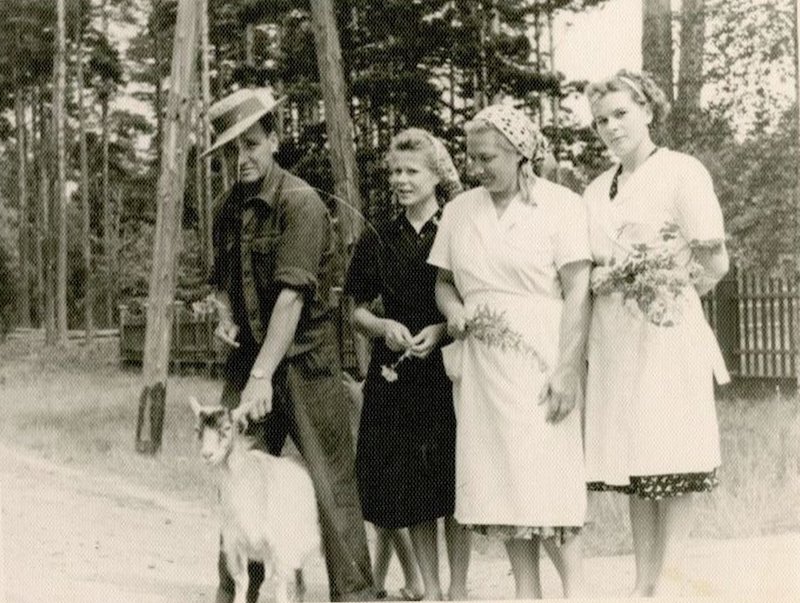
x=489, y=327
x=649, y=279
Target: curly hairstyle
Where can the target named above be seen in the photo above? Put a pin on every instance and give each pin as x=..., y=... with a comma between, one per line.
x=640, y=86
x=435, y=156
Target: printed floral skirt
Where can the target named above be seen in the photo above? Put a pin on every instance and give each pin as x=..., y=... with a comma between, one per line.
x=656, y=487
x=560, y=534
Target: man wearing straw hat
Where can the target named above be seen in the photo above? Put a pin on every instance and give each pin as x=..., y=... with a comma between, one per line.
x=273, y=269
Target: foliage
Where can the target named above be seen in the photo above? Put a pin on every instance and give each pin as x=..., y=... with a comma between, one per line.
x=756, y=181
x=749, y=62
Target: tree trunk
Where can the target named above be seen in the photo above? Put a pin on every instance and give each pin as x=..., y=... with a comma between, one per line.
x=797, y=175
x=657, y=43
x=61, y=65
x=171, y=182
x=88, y=299
x=106, y=197
x=249, y=41
x=40, y=207
x=24, y=306
x=690, y=72
x=48, y=264
x=338, y=124
x=555, y=101
x=537, y=28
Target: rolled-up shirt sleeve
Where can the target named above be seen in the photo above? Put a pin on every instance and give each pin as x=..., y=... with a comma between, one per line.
x=305, y=238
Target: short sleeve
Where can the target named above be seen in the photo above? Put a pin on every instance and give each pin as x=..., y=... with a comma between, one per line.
x=363, y=274
x=699, y=215
x=439, y=255
x=571, y=237
x=305, y=239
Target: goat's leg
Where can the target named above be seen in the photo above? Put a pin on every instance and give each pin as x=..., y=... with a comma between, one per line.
x=281, y=582
x=299, y=585
x=237, y=566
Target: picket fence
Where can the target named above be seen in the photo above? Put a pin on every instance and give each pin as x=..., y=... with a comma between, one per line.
x=753, y=316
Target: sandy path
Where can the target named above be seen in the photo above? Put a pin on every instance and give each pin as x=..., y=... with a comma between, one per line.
x=68, y=537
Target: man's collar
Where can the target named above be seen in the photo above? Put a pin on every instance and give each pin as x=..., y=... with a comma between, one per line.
x=268, y=191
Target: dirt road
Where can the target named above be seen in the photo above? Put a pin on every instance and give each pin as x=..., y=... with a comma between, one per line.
x=68, y=536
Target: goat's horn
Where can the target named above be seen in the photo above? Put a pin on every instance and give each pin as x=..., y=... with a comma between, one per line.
x=196, y=408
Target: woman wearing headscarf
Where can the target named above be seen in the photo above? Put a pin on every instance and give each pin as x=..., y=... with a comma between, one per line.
x=513, y=283
x=405, y=460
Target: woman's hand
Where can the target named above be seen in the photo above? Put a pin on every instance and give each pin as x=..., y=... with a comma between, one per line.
x=397, y=336
x=427, y=339
x=562, y=393
x=457, y=322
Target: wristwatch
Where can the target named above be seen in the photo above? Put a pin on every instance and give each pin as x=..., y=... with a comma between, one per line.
x=257, y=373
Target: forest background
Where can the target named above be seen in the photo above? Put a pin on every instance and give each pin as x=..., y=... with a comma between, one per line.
x=728, y=65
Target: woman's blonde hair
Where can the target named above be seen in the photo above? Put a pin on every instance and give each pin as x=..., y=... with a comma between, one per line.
x=640, y=86
x=435, y=156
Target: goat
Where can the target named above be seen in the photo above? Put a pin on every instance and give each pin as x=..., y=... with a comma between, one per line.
x=269, y=510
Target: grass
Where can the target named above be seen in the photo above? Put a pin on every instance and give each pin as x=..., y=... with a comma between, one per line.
x=76, y=407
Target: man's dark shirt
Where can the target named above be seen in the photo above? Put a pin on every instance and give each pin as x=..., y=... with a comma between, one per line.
x=270, y=237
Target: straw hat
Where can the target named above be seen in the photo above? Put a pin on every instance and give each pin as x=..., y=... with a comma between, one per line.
x=235, y=113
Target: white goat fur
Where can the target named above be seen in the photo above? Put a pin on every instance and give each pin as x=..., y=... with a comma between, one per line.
x=269, y=510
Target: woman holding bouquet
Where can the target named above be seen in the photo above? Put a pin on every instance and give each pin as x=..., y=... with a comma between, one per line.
x=514, y=262
x=405, y=459
x=658, y=243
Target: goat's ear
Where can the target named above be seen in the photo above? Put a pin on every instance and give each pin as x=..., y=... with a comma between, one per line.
x=196, y=408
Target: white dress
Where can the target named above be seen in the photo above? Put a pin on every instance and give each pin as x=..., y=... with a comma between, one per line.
x=650, y=400
x=513, y=468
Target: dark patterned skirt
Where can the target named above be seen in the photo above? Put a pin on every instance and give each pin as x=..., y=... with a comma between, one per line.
x=559, y=534
x=657, y=487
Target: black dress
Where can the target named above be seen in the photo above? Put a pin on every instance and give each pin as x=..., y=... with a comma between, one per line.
x=405, y=457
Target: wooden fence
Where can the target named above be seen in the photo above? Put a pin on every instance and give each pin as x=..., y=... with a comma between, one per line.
x=753, y=317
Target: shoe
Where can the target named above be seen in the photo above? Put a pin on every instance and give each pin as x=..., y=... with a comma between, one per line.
x=406, y=594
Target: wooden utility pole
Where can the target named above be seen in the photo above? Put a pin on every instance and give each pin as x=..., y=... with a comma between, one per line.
x=338, y=124
x=61, y=267
x=177, y=128
x=205, y=91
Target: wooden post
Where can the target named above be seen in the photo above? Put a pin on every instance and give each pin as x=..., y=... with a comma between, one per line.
x=338, y=124
x=177, y=127
x=205, y=89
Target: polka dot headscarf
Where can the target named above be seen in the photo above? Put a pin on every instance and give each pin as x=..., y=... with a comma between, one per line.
x=516, y=127
x=524, y=136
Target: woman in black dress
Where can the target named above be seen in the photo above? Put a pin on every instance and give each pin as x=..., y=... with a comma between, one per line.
x=405, y=459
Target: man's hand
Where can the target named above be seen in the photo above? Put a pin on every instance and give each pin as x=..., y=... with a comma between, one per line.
x=562, y=392
x=227, y=331
x=397, y=336
x=256, y=401
x=427, y=339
